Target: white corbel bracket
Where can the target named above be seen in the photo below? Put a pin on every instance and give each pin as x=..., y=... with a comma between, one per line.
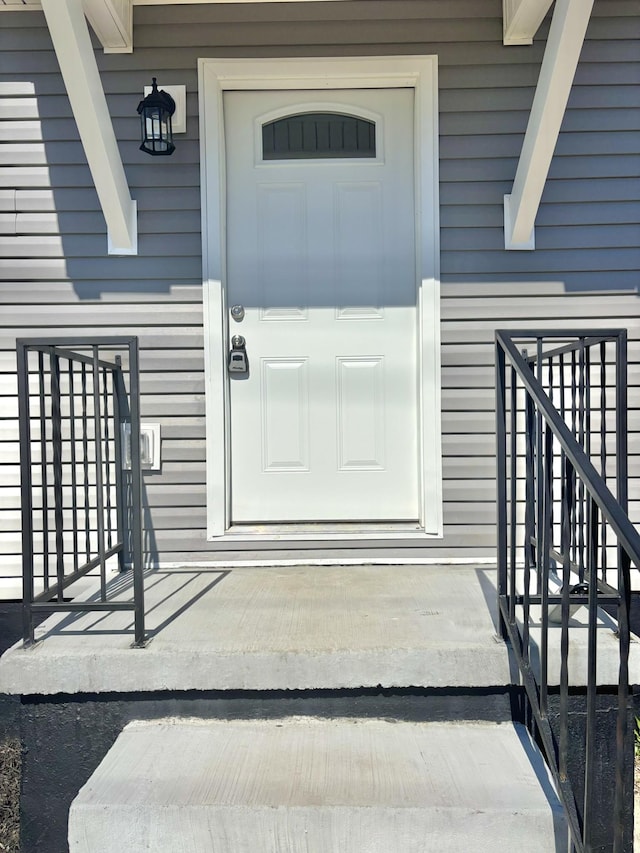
x=72, y=44
x=566, y=37
x=521, y=19
x=112, y=22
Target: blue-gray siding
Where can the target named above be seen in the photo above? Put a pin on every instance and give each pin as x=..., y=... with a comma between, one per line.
x=55, y=276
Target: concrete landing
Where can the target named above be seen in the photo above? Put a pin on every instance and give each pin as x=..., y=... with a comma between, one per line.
x=318, y=786
x=298, y=627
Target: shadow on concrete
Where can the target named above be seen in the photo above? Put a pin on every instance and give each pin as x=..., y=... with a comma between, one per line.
x=121, y=587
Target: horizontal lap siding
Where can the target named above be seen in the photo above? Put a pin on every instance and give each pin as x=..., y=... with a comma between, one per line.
x=585, y=270
x=57, y=278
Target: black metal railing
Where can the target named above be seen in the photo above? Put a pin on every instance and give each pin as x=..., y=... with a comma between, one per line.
x=565, y=550
x=81, y=492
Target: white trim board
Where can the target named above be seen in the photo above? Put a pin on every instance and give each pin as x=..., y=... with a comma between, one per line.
x=219, y=75
x=217, y=2
x=303, y=560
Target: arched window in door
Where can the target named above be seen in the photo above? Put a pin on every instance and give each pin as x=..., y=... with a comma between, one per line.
x=318, y=136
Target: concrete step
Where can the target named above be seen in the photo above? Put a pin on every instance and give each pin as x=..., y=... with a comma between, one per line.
x=310, y=785
x=278, y=628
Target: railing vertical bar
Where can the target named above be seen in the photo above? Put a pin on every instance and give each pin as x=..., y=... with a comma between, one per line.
x=97, y=415
x=587, y=448
x=623, y=745
x=563, y=390
x=588, y=403
x=574, y=430
x=603, y=451
x=26, y=492
x=56, y=440
x=563, y=412
x=513, y=503
x=117, y=436
x=136, y=491
x=574, y=395
x=546, y=547
x=44, y=471
x=550, y=467
x=73, y=463
x=501, y=480
x=85, y=461
x=581, y=436
x=529, y=523
x=622, y=488
x=529, y=554
x=590, y=770
x=541, y=557
x=568, y=472
x=107, y=455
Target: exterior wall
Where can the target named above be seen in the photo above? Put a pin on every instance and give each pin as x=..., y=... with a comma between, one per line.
x=56, y=278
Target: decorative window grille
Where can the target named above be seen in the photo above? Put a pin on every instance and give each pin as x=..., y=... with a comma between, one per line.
x=318, y=136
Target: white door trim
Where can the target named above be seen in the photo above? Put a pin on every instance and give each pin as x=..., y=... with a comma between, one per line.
x=217, y=75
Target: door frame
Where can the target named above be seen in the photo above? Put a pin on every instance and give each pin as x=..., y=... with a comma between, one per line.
x=215, y=76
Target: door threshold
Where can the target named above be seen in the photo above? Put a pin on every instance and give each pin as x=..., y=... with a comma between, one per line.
x=325, y=531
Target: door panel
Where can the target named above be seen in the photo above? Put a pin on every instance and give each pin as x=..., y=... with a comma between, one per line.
x=321, y=255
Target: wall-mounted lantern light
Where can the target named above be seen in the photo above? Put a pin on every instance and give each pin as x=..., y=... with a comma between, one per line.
x=155, y=116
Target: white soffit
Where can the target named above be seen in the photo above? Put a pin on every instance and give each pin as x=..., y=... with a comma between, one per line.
x=72, y=44
x=112, y=22
x=36, y=4
x=522, y=18
x=566, y=37
x=214, y=2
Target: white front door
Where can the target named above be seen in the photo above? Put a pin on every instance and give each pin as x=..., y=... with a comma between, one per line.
x=321, y=267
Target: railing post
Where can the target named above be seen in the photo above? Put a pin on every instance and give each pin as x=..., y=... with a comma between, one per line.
x=567, y=503
x=546, y=548
x=623, y=737
x=136, y=492
x=97, y=426
x=590, y=779
x=513, y=498
x=73, y=459
x=624, y=722
x=622, y=485
x=529, y=497
x=603, y=454
x=117, y=383
x=541, y=557
x=56, y=437
x=85, y=461
x=44, y=471
x=501, y=484
x=26, y=491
